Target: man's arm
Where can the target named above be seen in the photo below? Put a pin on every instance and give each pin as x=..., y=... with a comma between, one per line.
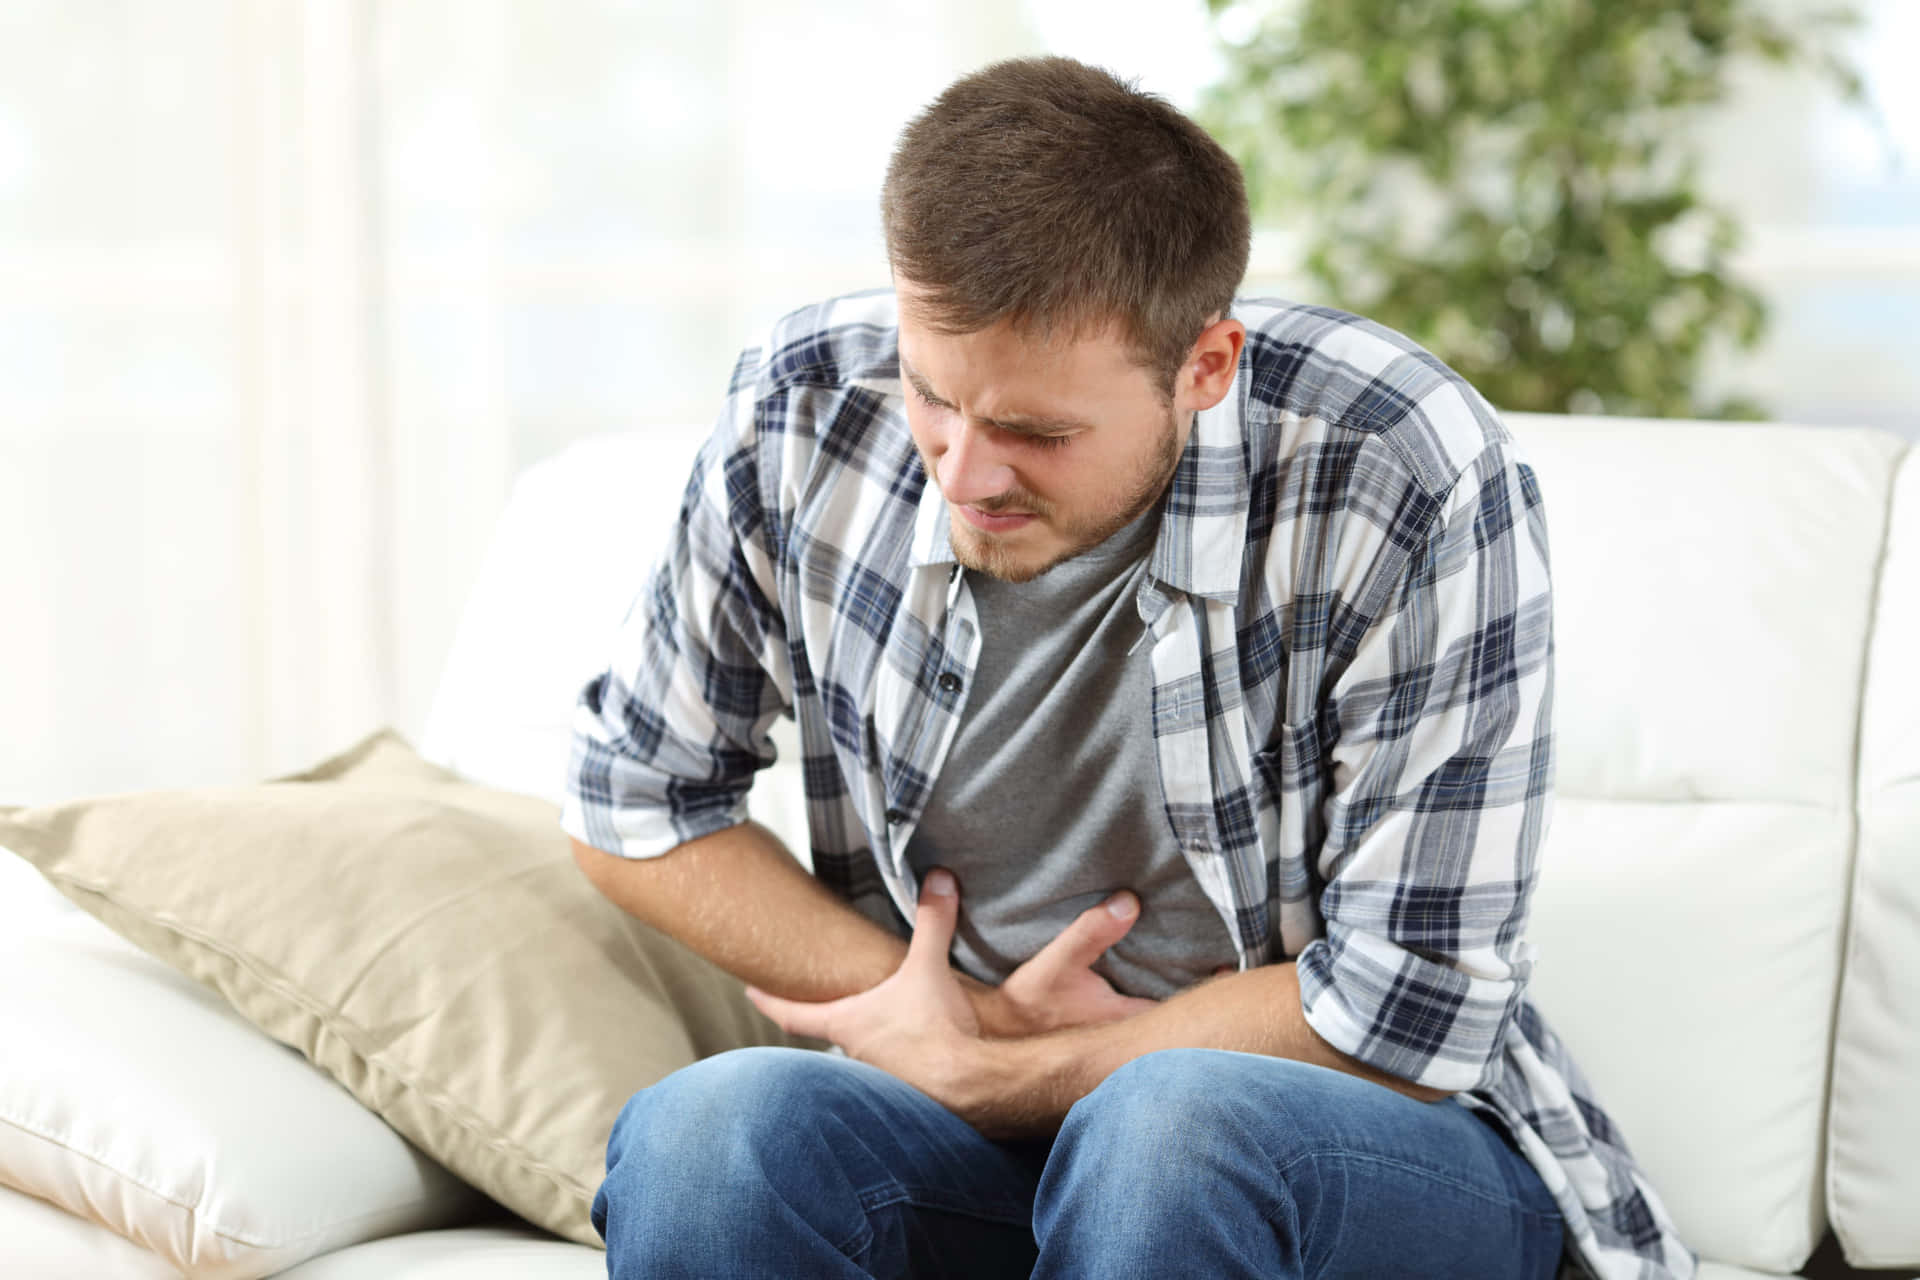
x=667, y=740
x=738, y=898
x=741, y=900
x=1024, y=1087
x=915, y=1025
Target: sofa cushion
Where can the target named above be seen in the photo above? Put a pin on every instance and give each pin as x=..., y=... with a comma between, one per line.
x=464, y=1253
x=141, y=1105
x=1873, y=1134
x=1714, y=584
x=46, y=1242
x=1708, y=1045
x=1718, y=1271
x=428, y=941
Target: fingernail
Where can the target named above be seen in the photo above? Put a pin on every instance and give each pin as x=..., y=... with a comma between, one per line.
x=1122, y=906
x=940, y=883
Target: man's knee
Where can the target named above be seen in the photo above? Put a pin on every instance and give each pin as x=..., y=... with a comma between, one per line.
x=1210, y=1095
x=1167, y=1095
x=718, y=1106
x=1176, y=1118
x=717, y=1124
x=741, y=1129
x=715, y=1119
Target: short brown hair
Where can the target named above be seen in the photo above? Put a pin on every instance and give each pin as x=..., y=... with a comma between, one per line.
x=1060, y=197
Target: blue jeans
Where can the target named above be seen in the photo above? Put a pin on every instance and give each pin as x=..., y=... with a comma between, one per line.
x=1201, y=1162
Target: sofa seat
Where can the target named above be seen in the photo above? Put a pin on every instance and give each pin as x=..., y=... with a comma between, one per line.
x=50, y=1244
x=496, y=1251
x=510, y=1253
x=45, y=1242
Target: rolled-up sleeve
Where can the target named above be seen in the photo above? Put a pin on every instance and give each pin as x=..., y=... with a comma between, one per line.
x=1442, y=762
x=666, y=740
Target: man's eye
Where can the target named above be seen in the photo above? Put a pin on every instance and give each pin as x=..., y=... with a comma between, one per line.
x=928, y=400
x=1051, y=442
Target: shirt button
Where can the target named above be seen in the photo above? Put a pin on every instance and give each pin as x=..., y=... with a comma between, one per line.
x=950, y=682
x=895, y=817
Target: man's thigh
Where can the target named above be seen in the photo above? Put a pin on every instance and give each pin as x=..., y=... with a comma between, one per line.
x=797, y=1163
x=1183, y=1162
x=1242, y=1164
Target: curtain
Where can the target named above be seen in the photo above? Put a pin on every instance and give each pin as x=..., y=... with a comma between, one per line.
x=290, y=289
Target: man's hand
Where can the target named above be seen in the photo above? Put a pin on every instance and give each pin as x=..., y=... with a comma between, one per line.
x=1058, y=988
x=917, y=1024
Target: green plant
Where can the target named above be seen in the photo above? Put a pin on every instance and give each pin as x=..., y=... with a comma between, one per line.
x=1510, y=182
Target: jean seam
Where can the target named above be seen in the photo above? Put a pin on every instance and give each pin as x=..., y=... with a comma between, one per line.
x=857, y=1243
x=876, y=1198
x=1476, y=1192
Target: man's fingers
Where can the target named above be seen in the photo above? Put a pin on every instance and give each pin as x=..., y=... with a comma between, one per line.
x=797, y=1016
x=934, y=920
x=1085, y=940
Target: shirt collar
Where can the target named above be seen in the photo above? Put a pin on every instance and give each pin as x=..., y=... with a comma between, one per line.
x=1203, y=530
x=932, y=528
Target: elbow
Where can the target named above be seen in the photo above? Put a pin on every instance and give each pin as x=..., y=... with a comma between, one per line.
x=591, y=861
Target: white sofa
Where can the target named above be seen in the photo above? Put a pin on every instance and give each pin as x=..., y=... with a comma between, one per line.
x=1728, y=918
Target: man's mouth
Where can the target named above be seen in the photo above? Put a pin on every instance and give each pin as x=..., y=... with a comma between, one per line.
x=990, y=522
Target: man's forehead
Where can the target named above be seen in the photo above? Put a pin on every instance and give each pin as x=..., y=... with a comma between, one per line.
x=1051, y=350
x=1019, y=417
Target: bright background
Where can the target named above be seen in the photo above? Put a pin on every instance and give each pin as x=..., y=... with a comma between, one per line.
x=290, y=289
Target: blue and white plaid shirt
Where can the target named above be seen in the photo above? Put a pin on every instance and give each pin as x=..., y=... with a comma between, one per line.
x=1352, y=651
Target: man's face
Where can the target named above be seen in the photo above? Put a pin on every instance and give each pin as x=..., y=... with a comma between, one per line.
x=1041, y=452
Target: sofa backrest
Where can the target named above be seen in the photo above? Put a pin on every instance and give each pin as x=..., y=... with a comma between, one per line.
x=1715, y=589
x=571, y=550
x=1873, y=1131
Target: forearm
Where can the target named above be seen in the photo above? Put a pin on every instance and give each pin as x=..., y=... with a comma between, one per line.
x=740, y=899
x=1026, y=1086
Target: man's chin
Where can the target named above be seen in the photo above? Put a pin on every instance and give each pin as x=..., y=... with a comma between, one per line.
x=1001, y=556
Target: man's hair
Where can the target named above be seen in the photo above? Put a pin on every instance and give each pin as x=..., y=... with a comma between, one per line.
x=1063, y=199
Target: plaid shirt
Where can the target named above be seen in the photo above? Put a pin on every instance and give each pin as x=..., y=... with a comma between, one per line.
x=1352, y=653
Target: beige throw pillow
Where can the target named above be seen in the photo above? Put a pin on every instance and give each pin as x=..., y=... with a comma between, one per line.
x=427, y=941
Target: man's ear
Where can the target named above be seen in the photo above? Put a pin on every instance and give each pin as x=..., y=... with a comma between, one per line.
x=1211, y=363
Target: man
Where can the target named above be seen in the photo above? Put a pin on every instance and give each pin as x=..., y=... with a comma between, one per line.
x=1181, y=670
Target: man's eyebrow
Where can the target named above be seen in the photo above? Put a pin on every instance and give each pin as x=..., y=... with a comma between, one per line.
x=1024, y=424
x=913, y=376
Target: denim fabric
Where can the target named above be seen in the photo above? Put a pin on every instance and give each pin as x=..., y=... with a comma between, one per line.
x=785, y=1162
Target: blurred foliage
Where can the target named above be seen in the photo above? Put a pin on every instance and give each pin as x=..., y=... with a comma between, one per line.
x=1511, y=182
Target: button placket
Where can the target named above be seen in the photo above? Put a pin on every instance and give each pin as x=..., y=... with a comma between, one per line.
x=958, y=640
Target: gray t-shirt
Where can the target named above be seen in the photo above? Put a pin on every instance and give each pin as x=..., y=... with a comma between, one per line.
x=1049, y=799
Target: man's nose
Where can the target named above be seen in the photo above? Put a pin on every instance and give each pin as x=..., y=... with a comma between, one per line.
x=972, y=469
